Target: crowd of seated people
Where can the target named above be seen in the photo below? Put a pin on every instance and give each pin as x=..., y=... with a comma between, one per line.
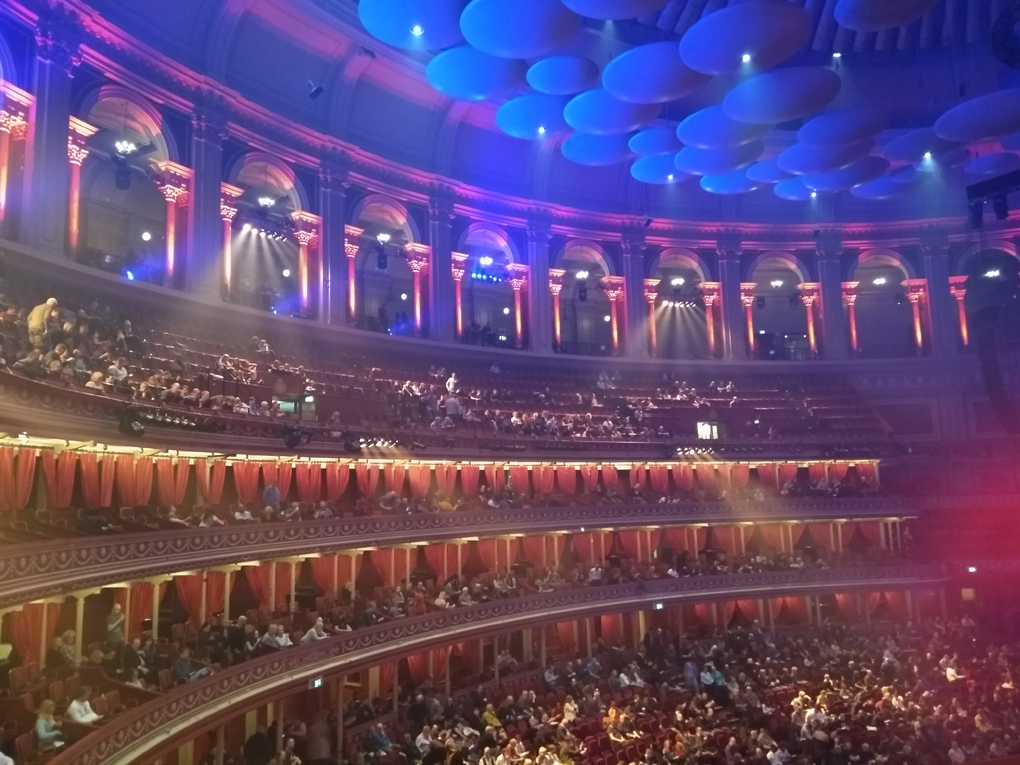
x=97, y=347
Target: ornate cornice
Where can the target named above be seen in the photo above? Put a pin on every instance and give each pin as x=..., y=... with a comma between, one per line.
x=151, y=729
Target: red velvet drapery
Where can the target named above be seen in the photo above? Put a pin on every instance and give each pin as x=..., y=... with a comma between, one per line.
x=58, y=475
x=837, y=471
x=446, y=478
x=677, y=536
x=610, y=624
x=866, y=470
x=610, y=478
x=346, y=576
x=395, y=474
x=637, y=477
x=88, y=466
x=739, y=475
x=629, y=540
x=487, y=552
x=323, y=571
x=519, y=478
x=822, y=534
x=173, y=480
x=495, y=477
x=368, y=479
x=283, y=575
x=565, y=632
x=435, y=555
x=418, y=666
x=772, y=534
x=387, y=671
x=17, y=469
x=258, y=582
x=816, y=471
x=210, y=475
x=658, y=476
x=566, y=479
x=140, y=607
x=246, y=481
x=847, y=605
x=705, y=475
x=589, y=477
x=534, y=550
x=584, y=546
x=727, y=538
x=544, y=479
x=787, y=472
x=683, y=476
x=749, y=608
x=469, y=475
x=281, y=472
x=308, y=477
x=795, y=606
x=385, y=563
x=337, y=477
x=189, y=594
x=27, y=629
x=420, y=478
x=768, y=475
x=439, y=656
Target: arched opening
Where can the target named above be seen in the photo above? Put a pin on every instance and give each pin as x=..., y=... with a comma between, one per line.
x=991, y=299
x=680, y=315
x=585, y=315
x=383, y=279
x=123, y=212
x=779, y=316
x=486, y=295
x=264, y=251
x=883, y=315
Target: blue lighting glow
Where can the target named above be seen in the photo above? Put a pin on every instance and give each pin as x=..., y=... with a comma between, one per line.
x=483, y=277
x=746, y=57
x=417, y=30
x=485, y=260
x=541, y=129
x=130, y=276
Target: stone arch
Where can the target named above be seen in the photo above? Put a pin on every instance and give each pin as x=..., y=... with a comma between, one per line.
x=585, y=250
x=121, y=109
x=490, y=237
x=979, y=248
x=8, y=69
x=883, y=257
x=385, y=212
x=260, y=173
x=777, y=259
x=681, y=257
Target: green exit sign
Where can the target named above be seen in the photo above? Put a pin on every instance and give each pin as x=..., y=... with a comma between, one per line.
x=315, y=682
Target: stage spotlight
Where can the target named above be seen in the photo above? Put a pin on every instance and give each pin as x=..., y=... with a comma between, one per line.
x=403, y=296
x=506, y=311
x=582, y=293
x=879, y=281
x=417, y=30
x=975, y=212
x=793, y=301
x=314, y=90
x=746, y=58
x=607, y=317
x=146, y=236
x=582, y=274
x=485, y=260
x=760, y=302
x=381, y=258
x=776, y=283
x=245, y=228
x=678, y=281
x=286, y=273
x=1001, y=207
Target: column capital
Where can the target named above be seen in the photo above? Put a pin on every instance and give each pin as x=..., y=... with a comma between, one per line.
x=728, y=246
x=351, y=236
x=710, y=292
x=958, y=287
x=828, y=244
x=173, y=180
x=418, y=256
x=208, y=123
x=58, y=37
x=306, y=226
x=459, y=266
x=747, y=293
x=518, y=276
x=78, y=134
x=538, y=228
x=849, y=290
x=809, y=292
x=17, y=106
x=614, y=287
x=228, y=200
x=556, y=280
x=916, y=289
x=652, y=289
x=441, y=208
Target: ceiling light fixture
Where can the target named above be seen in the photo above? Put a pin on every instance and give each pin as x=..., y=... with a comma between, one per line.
x=670, y=176
x=746, y=57
x=286, y=273
x=417, y=30
x=678, y=281
x=382, y=237
x=927, y=155
x=541, y=129
x=814, y=194
x=506, y=311
x=146, y=236
x=837, y=54
x=485, y=260
x=266, y=201
x=776, y=283
x=582, y=274
x=993, y=274
x=607, y=317
x=879, y=281
x=125, y=147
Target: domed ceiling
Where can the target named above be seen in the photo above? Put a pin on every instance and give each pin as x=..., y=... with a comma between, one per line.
x=797, y=110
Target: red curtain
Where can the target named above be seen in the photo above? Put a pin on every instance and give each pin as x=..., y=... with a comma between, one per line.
x=611, y=629
x=847, y=606
x=519, y=478
x=27, y=628
x=495, y=477
x=210, y=477
x=420, y=478
x=703, y=613
x=58, y=474
x=280, y=472
x=435, y=555
x=439, y=662
x=772, y=534
x=630, y=542
x=705, y=475
x=368, y=479
x=143, y=480
x=141, y=605
x=534, y=550
x=658, y=477
x=566, y=479
x=677, y=536
x=469, y=480
x=726, y=537
x=395, y=473
x=189, y=593
x=487, y=552
x=387, y=671
x=173, y=480
x=17, y=469
x=584, y=546
x=565, y=631
x=544, y=479
x=768, y=475
x=610, y=479
x=258, y=582
x=866, y=470
x=729, y=607
x=246, y=481
x=385, y=562
x=126, y=480
x=837, y=471
x=787, y=472
x=215, y=585
x=590, y=477
x=337, y=477
x=309, y=481
x=872, y=532
x=683, y=476
x=323, y=571
x=739, y=475
x=418, y=665
x=97, y=479
x=637, y=477
x=346, y=576
x=446, y=478
x=749, y=608
x=794, y=605
x=816, y=471
x=822, y=534
x=283, y=571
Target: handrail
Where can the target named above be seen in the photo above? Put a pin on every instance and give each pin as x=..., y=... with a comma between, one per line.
x=156, y=727
x=35, y=570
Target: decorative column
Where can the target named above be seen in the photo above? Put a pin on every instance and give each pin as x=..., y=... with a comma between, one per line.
x=228, y=211
x=418, y=261
x=632, y=246
x=828, y=250
x=198, y=268
x=850, y=300
x=351, y=236
x=306, y=231
x=938, y=297
x=729, y=251
x=518, y=281
x=174, y=185
x=615, y=292
x=77, y=136
x=334, y=280
x=555, y=287
x=651, y=295
x=458, y=270
x=47, y=171
x=539, y=324
x=916, y=291
x=809, y=292
x=17, y=104
x=747, y=300
x=958, y=289
x=441, y=216
x=710, y=292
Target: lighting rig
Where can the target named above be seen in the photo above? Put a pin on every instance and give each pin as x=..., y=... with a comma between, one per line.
x=994, y=190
